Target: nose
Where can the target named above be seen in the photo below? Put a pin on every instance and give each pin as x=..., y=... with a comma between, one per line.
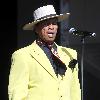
x=51, y=26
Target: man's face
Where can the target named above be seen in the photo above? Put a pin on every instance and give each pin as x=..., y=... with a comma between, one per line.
x=47, y=30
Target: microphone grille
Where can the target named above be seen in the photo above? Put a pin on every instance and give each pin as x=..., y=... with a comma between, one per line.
x=93, y=34
x=71, y=30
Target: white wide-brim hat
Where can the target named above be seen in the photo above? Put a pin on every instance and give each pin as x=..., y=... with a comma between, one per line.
x=43, y=13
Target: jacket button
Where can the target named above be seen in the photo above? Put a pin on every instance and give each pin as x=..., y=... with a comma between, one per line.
x=60, y=98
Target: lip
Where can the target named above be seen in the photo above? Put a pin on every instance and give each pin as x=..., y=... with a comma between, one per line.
x=50, y=32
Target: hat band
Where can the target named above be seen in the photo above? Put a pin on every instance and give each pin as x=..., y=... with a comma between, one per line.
x=47, y=16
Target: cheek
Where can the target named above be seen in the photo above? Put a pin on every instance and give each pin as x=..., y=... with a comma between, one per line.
x=44, y=31
x=56, y=29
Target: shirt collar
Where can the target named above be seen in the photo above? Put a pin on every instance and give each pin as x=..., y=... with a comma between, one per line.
x=44, y=44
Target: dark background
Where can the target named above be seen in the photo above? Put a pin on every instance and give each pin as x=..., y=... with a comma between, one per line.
x=84, y=15
x=8, y=42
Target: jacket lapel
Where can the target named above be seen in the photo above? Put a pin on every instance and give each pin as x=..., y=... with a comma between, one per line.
x=38, y=54
x=64, y=57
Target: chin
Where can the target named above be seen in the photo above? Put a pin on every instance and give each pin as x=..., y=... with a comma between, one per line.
x=50, y=41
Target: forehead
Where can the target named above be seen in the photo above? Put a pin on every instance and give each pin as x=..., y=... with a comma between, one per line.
x=49, y=20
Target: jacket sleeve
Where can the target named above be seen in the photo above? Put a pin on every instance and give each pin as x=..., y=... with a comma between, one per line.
x=75, y=84
x=18, y=78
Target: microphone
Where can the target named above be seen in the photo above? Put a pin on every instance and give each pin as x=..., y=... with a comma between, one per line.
x=81, y=33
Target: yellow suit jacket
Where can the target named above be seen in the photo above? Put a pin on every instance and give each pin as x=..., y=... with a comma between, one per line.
x=32, y=76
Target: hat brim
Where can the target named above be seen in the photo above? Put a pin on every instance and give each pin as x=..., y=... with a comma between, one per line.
x=61, y=17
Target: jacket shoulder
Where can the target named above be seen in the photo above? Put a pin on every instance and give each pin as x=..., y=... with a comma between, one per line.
x=22, y=51
x=69, y=51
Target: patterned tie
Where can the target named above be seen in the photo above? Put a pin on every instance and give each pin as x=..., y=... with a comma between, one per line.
x=61, y=67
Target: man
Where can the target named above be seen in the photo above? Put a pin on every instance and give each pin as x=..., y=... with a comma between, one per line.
x=44, y=70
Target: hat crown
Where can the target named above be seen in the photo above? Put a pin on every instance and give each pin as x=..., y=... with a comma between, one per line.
x=43, y=11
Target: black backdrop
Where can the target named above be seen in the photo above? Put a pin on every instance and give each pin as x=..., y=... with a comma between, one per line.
x=85, y=15
x=8, y=42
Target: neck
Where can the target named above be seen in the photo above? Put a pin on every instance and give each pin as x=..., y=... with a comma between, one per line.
x=45, y=42
x=48, y=44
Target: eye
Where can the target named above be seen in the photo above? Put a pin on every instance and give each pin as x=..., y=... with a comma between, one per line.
x=54, y=23
x=51, y=22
